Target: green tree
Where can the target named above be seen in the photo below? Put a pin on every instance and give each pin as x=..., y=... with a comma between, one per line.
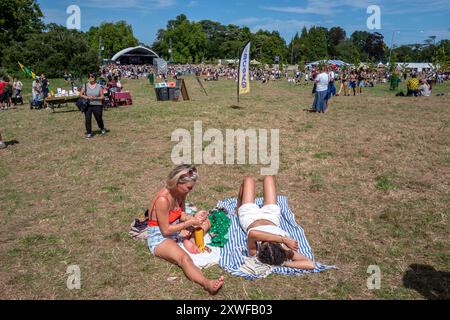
x=187, y=40
x=335, y=36
x=113, y=36
x=316, y=44
x=268, y=45
x=359, y=39
x=348, y=52
x=374, y=46
x=18, y=19
x=59, y=50
x=440, y=60
x=216, y=35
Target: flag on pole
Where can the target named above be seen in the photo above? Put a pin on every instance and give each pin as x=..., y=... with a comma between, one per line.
x=26, y=70
x=244, y=71
x=21, y=67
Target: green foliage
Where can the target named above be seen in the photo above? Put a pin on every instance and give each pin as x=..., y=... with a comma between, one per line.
x=18, y=19
x=113, y=36
x=317, y=44
x=267, y=45
x=440, y=59
x=335, y=36
x=374, y=46
x=53, y=52
x=359, y=39
x=385, y=183
x=187, y=40
x=346, y=50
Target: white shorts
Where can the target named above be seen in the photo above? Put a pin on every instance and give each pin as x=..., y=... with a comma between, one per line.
x=250, y=212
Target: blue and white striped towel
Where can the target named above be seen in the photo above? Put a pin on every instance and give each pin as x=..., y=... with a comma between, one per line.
x=231, y=256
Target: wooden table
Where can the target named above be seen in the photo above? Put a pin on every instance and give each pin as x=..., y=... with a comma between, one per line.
x=57, y=102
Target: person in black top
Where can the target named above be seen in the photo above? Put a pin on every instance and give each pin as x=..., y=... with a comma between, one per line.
x=45, y=84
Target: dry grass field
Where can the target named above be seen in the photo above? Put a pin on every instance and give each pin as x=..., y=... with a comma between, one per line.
x=369, y=182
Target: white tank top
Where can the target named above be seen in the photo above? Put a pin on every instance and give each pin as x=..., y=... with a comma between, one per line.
x=270, y=229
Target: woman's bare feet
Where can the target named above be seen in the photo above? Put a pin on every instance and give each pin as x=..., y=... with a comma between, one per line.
x=213, y=286
x=191, y=247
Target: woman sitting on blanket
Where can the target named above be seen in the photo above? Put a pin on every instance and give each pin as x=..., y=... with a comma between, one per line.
x=265, y=238
x=169, y=225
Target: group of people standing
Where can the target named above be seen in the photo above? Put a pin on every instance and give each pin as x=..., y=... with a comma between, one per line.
x=10, y=92
x=323, y=89
x=40, y=89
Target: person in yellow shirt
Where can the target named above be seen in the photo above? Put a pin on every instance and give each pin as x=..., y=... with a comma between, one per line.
x=413, y=86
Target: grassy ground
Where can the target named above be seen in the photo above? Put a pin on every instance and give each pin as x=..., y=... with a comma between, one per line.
x=369, y=182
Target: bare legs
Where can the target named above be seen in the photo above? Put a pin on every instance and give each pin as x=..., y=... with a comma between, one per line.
x=247, y=191
x=270, y=193
x=170, y=251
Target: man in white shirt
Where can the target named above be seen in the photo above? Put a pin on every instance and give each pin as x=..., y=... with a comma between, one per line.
x=322, y=80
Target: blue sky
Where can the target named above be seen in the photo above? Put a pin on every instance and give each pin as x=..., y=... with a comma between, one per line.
x=410, y=21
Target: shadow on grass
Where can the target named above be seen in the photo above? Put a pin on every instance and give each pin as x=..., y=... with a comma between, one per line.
x=65, y=111
x=429, y=282
x=11, y=143
x=236, y=107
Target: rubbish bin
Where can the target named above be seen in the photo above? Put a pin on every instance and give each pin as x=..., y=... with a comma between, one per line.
x=174, y=93
x=162, y=94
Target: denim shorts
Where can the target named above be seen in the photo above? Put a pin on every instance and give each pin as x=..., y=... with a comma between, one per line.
x=155, y=238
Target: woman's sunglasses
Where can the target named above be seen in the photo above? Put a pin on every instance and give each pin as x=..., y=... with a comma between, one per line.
x=190, y=174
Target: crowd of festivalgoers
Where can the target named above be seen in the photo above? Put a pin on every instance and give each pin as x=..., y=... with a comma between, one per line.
x=10, y=92
x=126, y=71
x=346, y=80
x=343, y=81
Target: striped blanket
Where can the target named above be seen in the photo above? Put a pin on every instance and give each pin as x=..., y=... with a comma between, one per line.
x=232, y=254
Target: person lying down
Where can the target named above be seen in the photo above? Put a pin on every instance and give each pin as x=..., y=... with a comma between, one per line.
x=265, y=239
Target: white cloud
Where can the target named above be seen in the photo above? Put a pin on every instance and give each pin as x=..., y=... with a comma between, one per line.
x=416, y=7
x=270, y=24
x=129, y=4
x=398, y=7
x=193, y=3
x=321, y=7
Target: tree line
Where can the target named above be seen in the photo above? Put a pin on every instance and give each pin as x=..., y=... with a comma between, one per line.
x=54, y=49
x=185, y=41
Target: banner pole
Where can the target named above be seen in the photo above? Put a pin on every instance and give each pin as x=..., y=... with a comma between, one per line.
x=238, y=75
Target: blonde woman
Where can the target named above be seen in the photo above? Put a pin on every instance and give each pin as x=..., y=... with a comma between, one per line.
x=169, y=226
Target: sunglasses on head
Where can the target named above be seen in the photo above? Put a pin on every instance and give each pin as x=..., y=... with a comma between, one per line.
x=191, y=173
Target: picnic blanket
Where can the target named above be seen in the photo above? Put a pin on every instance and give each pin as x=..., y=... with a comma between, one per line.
x=233, y=253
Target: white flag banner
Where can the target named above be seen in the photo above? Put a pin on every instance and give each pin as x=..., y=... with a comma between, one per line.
x=244, y=71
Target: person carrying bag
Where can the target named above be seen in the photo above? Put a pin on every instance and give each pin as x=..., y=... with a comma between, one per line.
x=92, y=93
x=83, y=103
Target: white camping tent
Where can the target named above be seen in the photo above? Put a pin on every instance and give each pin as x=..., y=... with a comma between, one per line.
x=338, y=63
